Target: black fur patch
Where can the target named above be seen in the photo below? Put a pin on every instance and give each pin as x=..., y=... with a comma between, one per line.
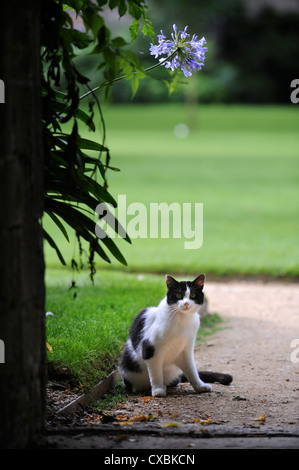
x=128, y=385
x=176, y=288
x=175, y=382
x=128, y=363
x=137, y=327
x=211, y=377
x=148, y=349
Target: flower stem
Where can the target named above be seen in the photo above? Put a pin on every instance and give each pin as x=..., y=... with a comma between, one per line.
x=126, y=76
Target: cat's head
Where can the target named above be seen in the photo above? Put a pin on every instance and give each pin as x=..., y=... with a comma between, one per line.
x=186, y=296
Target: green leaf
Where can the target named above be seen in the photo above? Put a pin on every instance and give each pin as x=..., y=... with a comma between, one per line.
x=113, y=4
x=127, y=68
x=84, y=117
x=78, y=221
x=58, y=223
x=99, y=192
x=134, y=86
x=134, y=29
x=95, y=161
x=119, y=42
x=103, y=37
x=53, y=245
x=173, y=82
x=85, y=227
x=80, y=40
x=114, y=250
x=112, y=69
x=92, y=145
x=62, y=140
x=148, y=30
x=92, y=20
x=122, y=8
x=77, y=186
x=111, y=220
x=135, y=10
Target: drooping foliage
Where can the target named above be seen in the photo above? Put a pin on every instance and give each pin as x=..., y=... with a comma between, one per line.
x=75, y=167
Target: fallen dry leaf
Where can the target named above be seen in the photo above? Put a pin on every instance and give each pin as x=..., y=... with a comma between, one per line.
x=261, y=418
x=141, y=417
x=122, y=417
x=147, y=399
x=49, y=347
x=205, y=421
x=202, y=421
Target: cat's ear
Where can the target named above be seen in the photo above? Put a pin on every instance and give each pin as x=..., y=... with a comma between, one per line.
x=200, y=280
x=169, y=280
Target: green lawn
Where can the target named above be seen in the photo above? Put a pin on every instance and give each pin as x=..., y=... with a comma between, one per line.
x=86, y=333
x=240, y=162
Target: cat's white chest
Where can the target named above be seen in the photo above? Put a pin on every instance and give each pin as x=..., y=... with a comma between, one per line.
x=174, y=347
x=179, y=334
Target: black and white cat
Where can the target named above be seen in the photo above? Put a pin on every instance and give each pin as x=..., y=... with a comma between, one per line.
x=159, y=350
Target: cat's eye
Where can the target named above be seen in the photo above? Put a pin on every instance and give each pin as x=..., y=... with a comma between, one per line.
x=178, y=296
x=192, y=295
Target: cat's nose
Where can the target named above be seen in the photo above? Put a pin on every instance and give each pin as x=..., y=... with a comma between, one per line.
x=186, y=304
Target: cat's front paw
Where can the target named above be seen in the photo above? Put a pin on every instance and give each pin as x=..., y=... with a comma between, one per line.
x=159, y=392
x=203, y=388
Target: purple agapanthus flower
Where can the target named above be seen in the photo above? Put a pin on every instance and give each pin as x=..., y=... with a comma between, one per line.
x=187, y=54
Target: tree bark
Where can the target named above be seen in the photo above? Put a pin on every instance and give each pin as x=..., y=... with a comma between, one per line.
x=22, y=291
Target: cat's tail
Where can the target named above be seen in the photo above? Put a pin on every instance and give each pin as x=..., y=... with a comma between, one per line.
x=211, y=377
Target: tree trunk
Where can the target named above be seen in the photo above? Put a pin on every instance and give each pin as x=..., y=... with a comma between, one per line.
x=22, y=291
